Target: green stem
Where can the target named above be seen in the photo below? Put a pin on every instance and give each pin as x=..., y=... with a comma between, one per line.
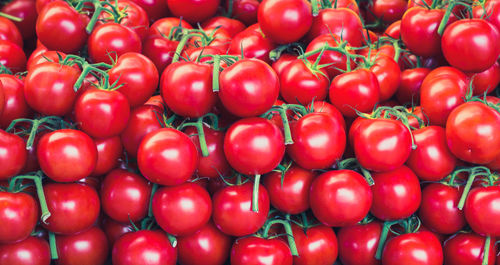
x=486, y=251
x=288, y=230
x=53, y=245
x=180, y=47
x=255, y=194
x=94, y=18
x=153, y=191
x=39, y=190
x=216, y=73
x=367, y=175
x=446, y=17
x=11, y=17
x=467, y=188
x=229, y=8
x=383, y=238
x=172, y=239
x=286, y=124
x=201, y=134
x=315, y=7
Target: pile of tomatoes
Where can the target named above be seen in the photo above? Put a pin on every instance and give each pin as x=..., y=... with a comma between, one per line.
x=246, y=132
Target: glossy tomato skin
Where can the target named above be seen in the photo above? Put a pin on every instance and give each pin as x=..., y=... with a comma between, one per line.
x=143, y=120
x=232, y=211
x=381, y=144
x=112, y=40
x=260, y=251
x=340, y=198
x=12, y=56
x=159, y=50
x=432, y=160
x=167, y=157
x=109, y=150
x=293, y=196
x=323, y=106
x=60, y=27
x=15, y=105
x=388, y=76
x=485, y=81
x=231, y=25
x=307, y=151
x=88, y=247
x=249, y=140
x=248, y=88
x=252, y=44
x=358, y=243
x=467, y=249
x=114, y=230
x=18, y=214
x=316, y=246
x=481, y=212
x=209, y=243
x=490, y=11
x=285, y=21
x=396, y=194
x=183, y=209
x=135, y=18
x=138, y=76
x=458, y=44
x=438, y=210
x=469, y=132
x=412, y=249
x=125, y=196
x=388, y=10
x=138, y=247
x=193, y=10
x=102, y=113
x=336, y=59
x=31, y=251
x=2, y=99
x=339, y=21
x=26, y=10
x=358, y=90
x=409, y=88
x=73, y=207
x=186, y=88
x=67, y=155
x=300, y=85
x=54, y=81
x=13, y=154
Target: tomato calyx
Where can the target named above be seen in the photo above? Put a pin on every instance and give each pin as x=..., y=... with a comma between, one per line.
x=35, y=125
x=353, y=164
x=342, y=47
x=198, y=124
x=293, y=48
x=410, y=225
x=288, y=231
x=187, y=34
x=99, y=7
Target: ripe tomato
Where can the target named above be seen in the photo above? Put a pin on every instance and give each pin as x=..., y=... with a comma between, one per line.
x=485, y=81
x=299, y=84
x=155, y=9
x=252, y=44
x=167, y=156
x=489, y=12
x=231, y=25
x=481, y=212
x=336, y=59
x=409, y=88
x=135, y=17
x=467, y=249
x=12, y=56
x=260, y=251
x=163, y=26
x=339, y=21
x=244, y=10
x=15, y=106
x=109, y=41
x=316, y=245
x=138, y=248
x=26, y=10
x=193, y=10
x=31, y=251
x=388, y=75
x=143, y=120
x=18, y=214
x=358, y=243
x=88, y=247
x=13, y=155
x=109, y=150
x=9, y=32
x=114, y=229
x=388, y=10
x=340, y=198
x=413, y=249
x=396, y=194
x=159, y=50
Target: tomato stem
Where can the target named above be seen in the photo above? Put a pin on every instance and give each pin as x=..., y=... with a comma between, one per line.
x=315, y=7
x=37, y=178
x=446, y=17
x=53, y=245
x=11, y=17
x=255, y=194
x=467, y=188
x=383, y=238
x=289, y=233
x=172, y=239
x=216, y=73
x=201, y=134
x=486, y=251
x=286, y=125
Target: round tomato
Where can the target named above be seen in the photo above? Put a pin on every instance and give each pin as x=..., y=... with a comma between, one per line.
x=18, y=214
x=260, y=251
x=13, y=154
x=467, y=249
x=138, y=248
x=299, y=84
x=421, y=248
x=88, y=247
x=31, y=251
x=109, y=41
x=358, y=243
x=193, y=10
x=481, y=212
x=316, y=245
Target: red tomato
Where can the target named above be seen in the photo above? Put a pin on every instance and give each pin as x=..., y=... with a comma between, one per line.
x=260, y=251
x=144, y=247
x=13, y=155
x=73, y=207
x=232, y=210
x=252, y=44
x=413, y=249
x=299, y=84
x=114, y=230
x=109, y=41
x=41, y=56
x=388, y=10
x=316, y=245
x=284, y=60
x=26, y=10
x=481, y=212
x=2, y=99
x=163, y=26
x=485, y=81
x=248, y=88
x=293, y=196
x=409, y=88
x=109, y=150
x=244, y=10
x=209, y=243
x=89, y=247
x=467, y=249
x=19, y=215
x=489, y=12
x=396, y=194
x=167, y=156
x=159, y=50
x=156, y=9
x=135, y=17
x=388, y=75
x=461, y=49
x=9, y=32
x=394, y=30
x=358, y=243
x=340, y=198
x=336, y=59
x=323, y=106
x=12, y=56
x=193, y=10
x=31, y=251
x=232, y=26
x=339, y=21
x=143, y=120
x=439, y=211
x=15, y=106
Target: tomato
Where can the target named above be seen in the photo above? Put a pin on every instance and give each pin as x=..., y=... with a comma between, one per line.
x=248, y=88
x=165, y=25
x=159, y=50
x=316, y=245
x=31, y=251
x=26, y=10
x=467, y=249
x=186, y=88
x=125, y=196
x=67, y=155
x=209, y=243
x=183, y=209
x=388, y=75
x=9, y=32
x=388, y=10
x=193, y=10
x=143, y=120
x=144, y=247
x=394, y=30
x=54, y=81
x=412, y=249
x=89, y=247
x=244, y=10
x=299, y=84
x=358, y=243
x=13, y=155
x=469, y=131
x=232, y=26
x=396, y=194
x=155, y=9
x=489, y=12
x=485, y=81
x=285, y=21
x=356, y=90
x=260, y=251
x=432, y=160
x=137, y=76
x=114, y=230
x=109, y=150
x=252, y=44
x=480, y=210
x=15, y=106
x=336, y=59
x=109, y=41
x=458, y=44
x=442, y=90
x=409, y=88
x=323, y=106
x=41, y=56
x=232, y=211
x=12, y=56
x=339, y=21
x=73, y=207
x=60, y=27
x=135, y=17
x=293, y=196
x=18, y=214
x=167, y=157
x=248, y=140
x=439, y=211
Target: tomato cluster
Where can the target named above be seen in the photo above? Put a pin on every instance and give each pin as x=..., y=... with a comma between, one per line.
x=249, y=132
